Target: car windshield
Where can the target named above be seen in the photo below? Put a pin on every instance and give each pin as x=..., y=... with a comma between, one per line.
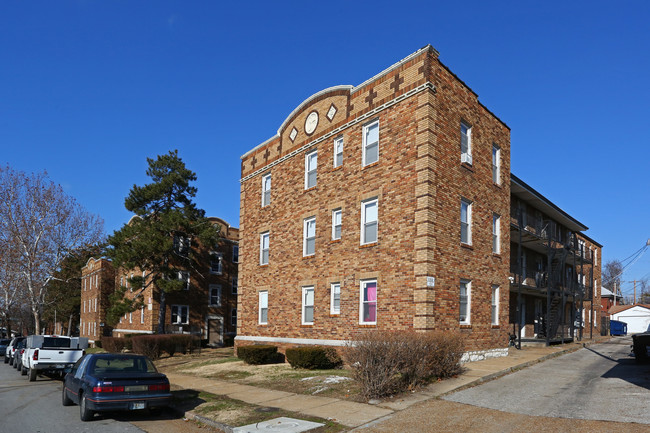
x=121, y=364
x=4, y=342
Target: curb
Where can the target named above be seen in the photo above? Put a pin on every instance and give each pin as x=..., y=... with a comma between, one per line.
x=203, y=420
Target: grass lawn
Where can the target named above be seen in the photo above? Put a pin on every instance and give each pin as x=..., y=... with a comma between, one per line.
x=237, y=413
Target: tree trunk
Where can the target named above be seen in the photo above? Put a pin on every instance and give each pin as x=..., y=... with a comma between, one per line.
x=161, y=313
x=70, y=325
x=37, y=322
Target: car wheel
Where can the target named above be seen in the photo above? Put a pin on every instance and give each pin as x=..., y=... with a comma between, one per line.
x=85, y=413
x=6, y=359
x=22, y=370
x=32, y=374
x=65, y=400
x=11, y=361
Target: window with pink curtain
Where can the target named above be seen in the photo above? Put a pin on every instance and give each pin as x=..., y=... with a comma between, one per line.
x=369, y=302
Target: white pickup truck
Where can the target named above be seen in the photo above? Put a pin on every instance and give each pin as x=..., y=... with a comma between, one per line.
x=51, y=354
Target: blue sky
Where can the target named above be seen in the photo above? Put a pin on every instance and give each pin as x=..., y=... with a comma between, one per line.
x=89, y=89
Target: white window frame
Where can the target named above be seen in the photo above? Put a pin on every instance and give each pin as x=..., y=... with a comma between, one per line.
x=468, y=289
x=466, y=156
x=263, y=236
x=496, y=233
x=234, y=285
x=337, y=212
x=266, y=190
x=233, y=317
x=95, y=305
x=305, y=305
x=495, y=305
x=235, y=253
x=467, y=223
x=211, y=288
x=313, y=153
x=216, y=257
x=362, y=284
x=180, y=245
x=335, y=289
x=366, y=129
x=262, y=305
x=496, y=164
x=142, y=314
x=338, y=142
x=179, y=314
x=185, y=276
x=364, y=222
x=306, y=238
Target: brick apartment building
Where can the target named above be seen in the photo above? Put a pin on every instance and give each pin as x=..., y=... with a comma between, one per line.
x=379, y=206
x=207, y=307
x=555, y=270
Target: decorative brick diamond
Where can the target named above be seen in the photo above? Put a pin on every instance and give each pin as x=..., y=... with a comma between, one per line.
x=331, y=112
x=293, y=134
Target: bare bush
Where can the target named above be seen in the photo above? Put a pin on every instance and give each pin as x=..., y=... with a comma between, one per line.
x=388, y=362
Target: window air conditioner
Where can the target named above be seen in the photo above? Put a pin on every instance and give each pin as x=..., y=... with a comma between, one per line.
x=466, y=157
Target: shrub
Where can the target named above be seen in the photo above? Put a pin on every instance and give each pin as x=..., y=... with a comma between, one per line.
x=386, y=362
x=313, y=357
x=259, y=354
x=115, y=344
x=148, y=345
x=98, y=344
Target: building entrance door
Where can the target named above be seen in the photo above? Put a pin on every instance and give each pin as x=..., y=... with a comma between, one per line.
x=215, y=331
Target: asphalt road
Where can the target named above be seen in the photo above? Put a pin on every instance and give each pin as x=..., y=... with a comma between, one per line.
x=601, y=382
x=35, y=407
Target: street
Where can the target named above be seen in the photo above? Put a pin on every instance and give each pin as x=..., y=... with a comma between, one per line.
x=35, y=407
x=601, y=382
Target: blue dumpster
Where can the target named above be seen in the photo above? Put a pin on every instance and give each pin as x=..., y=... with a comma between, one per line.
x=616, y=327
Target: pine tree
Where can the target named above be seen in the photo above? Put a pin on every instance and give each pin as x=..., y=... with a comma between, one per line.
x=160, y=239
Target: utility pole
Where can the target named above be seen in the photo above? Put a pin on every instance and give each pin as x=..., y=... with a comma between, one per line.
x=634, y=292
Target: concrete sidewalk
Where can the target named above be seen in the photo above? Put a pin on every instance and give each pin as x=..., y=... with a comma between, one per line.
x=352, y=414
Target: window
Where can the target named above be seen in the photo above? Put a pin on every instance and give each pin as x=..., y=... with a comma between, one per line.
x=263, y=307
x=181, y=245
x=465, y=302
x=130, y=317
x=311, y=164
x=84, y=306
x=582, y=246
x=368, y=307
x=235, y=253
x=465, y=143
x=216, y=263
x=234, y=285
x=338, y=152
x=180, y=314
x=266, y=190
x=233, y=317
x=184, y=276
x=308, y=305
x=465, y=222
x=496, y=234
x=142, y=314
x=309, y=237
x=215, y=295
x=95, y=305
x=369, y=222
x=495, y=305
x=370, y=143
x=85, y=284
x=129, y=283
x=264, y=248
x=336, y=224
x=335, y=298
x=496, y=164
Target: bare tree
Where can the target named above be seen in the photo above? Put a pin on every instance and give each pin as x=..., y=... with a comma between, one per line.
x=10, y=282
x=612, y=272
x=44, y=224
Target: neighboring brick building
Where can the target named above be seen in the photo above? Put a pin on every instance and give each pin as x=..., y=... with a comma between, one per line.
x=555, y=270
x=351, y=214
x=381, y=206
x=208, y=305
x=97, y=282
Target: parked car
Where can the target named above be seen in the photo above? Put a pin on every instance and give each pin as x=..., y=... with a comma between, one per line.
x=4, y=343
x=18, y=357
x=11, y=349
x=113, y=381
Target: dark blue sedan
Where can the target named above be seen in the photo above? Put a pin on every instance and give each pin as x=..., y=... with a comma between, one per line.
x=114, y=381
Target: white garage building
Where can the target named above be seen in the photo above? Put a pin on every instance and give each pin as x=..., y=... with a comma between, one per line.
x=636, y=316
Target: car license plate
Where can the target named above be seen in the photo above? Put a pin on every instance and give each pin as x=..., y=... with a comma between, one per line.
x=136, y=388
x=59, y=366
x=137, y=405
